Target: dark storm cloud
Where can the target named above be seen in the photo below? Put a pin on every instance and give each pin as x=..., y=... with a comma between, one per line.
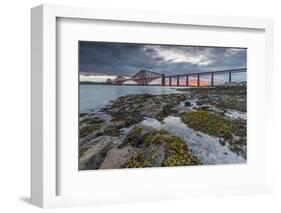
x=127, y=59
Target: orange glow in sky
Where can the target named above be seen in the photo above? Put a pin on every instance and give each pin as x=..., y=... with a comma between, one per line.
x=191, y=82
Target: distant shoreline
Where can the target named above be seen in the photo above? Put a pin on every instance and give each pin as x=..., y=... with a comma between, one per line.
x=103, y=83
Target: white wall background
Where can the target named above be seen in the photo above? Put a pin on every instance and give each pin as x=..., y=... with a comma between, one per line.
x=15, y=104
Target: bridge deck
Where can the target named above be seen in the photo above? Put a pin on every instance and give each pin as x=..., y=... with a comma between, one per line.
x=210, y=72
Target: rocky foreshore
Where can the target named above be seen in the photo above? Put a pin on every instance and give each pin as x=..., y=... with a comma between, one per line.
x=118, y=137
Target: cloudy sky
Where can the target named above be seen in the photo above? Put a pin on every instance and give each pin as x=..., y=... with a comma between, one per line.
x=107, y=58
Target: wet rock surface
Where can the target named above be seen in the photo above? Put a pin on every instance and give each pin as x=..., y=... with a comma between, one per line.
x=143, y=147
x=220, y=111
x=132, y=109
x=92, y=154
x=117, y=136
x=222, y=97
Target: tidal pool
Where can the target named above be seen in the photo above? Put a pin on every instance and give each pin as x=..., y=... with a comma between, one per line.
x=206, y=147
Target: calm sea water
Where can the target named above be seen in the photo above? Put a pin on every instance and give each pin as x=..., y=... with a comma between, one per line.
x=94, y=97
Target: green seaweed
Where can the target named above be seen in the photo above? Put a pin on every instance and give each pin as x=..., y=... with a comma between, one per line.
x=139, y=161
x=132, y=109
x=177, y=153
x=112, y=130
x=167, y=110
x=175, y=150
x=88, y=130
x=132, y=138
x=209, y=123
x=93, y=120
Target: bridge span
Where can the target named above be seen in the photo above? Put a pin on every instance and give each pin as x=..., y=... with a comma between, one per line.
x=144, y=77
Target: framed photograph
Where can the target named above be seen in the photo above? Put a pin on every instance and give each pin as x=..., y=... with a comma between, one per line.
x=129, y=106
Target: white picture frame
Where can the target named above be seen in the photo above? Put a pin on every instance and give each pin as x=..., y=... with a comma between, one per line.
x=44, y=154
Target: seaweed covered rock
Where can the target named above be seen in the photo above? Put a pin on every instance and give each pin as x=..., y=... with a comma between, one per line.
x=232, y=132
x=136, y=136
x=142, y=147
x=111, y=130
x=208, y=122
x=222, y=97
x=88, y=129
x=91, y=120
x=89, y=125
x=239, y=142
x=158, y=148
x=167, y=110
x=132, y=109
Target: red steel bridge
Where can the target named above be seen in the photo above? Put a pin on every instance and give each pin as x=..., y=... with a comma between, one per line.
x=144, y=77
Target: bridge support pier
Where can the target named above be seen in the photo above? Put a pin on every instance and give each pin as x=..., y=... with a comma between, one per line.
x=198, y=80
x=170, y=81
x=212, y=79
x=229, y=77
x=163, y=83
x=178, y=80
x=186, y=80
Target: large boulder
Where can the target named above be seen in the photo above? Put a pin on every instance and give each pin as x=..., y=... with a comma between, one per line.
x=117, y=157
x=157, y=148
x=93, y=153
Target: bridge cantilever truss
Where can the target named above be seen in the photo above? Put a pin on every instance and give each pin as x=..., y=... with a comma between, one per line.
x=144, y=77
x=119, y=80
